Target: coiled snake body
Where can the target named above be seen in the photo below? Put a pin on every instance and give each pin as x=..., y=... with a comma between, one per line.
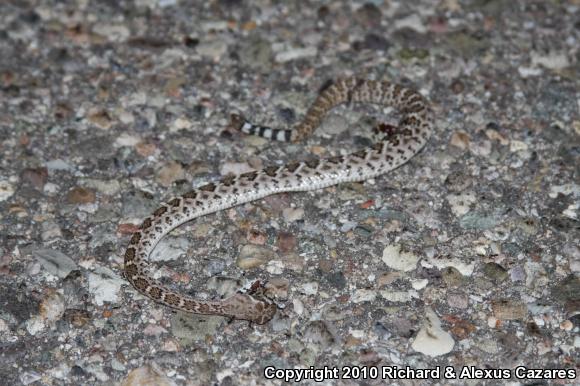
x=411, y=135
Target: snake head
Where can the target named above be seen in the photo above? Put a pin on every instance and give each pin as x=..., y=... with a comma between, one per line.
x=247, y=307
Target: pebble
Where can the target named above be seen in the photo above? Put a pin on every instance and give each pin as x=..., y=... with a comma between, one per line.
x=398, y=296
x=286, y=242
x=104, y=285
x=460, y=139
x=364, y=295
x=58, y=165
x=458, y=300
x=148, y=375
x=479, y=221
x=495, y=272
x=80, y=195
x=334, y=124
x=213, y=50
x=252, y=256
x=29, y=377
x=114, y=33
x=277, y=287
x=460, y=203
x=55, y=262
x=310, y=288
x=293, y=214
x=412, y=21
x=400, y=261
x=36, y=176
x=190, y=329
x=6, y=190
x=295, y=53
x=256, y=53
x=234, y=168
x=432, y=340
x=52, y=307
x=169, y=248
x=319, y=334
x=170, y=173
x=50, y=230
x=507, y=309
x=553, y=61
x=368, y=15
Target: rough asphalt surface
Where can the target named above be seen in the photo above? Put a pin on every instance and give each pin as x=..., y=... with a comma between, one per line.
x=468, y=255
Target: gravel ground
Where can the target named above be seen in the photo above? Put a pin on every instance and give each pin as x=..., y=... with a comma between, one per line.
x=468, y=255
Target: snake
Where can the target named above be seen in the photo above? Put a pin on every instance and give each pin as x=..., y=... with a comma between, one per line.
x=389, y=152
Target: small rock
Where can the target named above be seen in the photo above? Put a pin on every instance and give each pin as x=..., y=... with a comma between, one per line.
x=277, y=287
x=170, y=173
x=235, y=168
x=293, y=214
x=460, y=203
x=369, y=15
x=256, y=53
x=319, y=333
x=29, y=377
x=286, y=242
x=295, y=53
x=6, y=190
x=400, y=261
x=452, y=277
x=310, y=288
x=55, y=262
x=169, y=248
x=479, y=221
x=212, y=49
x=252, y=256
x=413, y=21
x=148, y=375
x=50, y=230
x=190, y=329
x=495, y=272
x=432, y=340
x=458, y=300
x=104, y=285
x=363, y=295
x=52, y=307
x=460, y=139
x=36, y=176
x=507, y=309
x=80, y=195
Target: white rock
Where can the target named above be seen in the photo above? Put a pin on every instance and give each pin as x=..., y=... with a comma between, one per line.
x=293, y=214
x=419, y=284
x=432, y=340
x=6, y=190
x=58, y=164
x=466, y=269
x=169, y=248
x=401, y=261
x=310, y=288
x=127, y=139
x=104, y=285
x=296, y=53
x=235, y=168
x=34, y=325
x=461, y=203
x=412, y=21
x=363, y=295
x=55, y=262
x=398, y=296
x=553, y=61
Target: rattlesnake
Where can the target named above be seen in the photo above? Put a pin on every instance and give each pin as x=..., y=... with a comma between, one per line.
x=392, y=151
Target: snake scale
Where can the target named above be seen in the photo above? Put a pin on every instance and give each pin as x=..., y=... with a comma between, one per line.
x=392, y=151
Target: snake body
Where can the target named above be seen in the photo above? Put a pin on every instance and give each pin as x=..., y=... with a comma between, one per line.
x=395, y=149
